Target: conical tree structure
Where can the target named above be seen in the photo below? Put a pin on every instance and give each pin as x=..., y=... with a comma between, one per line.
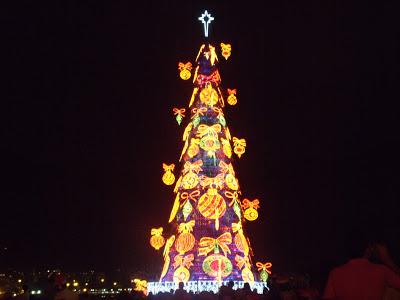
x=207, y=241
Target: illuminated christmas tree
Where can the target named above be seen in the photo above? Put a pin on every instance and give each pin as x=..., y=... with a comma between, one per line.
x=207, y=244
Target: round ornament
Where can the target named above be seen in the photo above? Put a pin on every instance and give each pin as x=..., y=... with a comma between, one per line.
x=190, y=180
x=231, y=182
x=181, y=275
x=210, y=144
x=185, y=74
x=251, y=214
x=157, y=241
x=217, y=265
x=168, y=178
x=211, y=204
x=247, y=275
x=185, y=240
x=209, y=96
x=264, y=275
x=232, y=100
x=241, y=243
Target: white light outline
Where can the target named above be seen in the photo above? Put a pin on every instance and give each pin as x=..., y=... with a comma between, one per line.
x=209, y=19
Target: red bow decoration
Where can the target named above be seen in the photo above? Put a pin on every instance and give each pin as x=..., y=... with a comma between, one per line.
x=185, y=261
x=179, y=111
x=233, y=91
x=183, y=66
x=260, y=266
x=246, y=203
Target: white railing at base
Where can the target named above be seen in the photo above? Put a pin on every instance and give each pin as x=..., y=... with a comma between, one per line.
x=200, y=286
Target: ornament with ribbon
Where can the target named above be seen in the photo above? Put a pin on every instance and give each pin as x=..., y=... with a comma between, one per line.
x=250, y=209
x=182, y=265
x=232, y=100
x=157, y=240
x=240, y=240
x=212, y=205
x=264, y=269
x=208, y=244
x=226, y=50
x=197, y=113
x=179, y=114
x=187, y=207
x=185, y=240
x=235, y=202
x=208, y=95
x=185, y=69
x=168, y=177
x=239, y=146
x=209, y=138
x=220, y=115
x=167, y=259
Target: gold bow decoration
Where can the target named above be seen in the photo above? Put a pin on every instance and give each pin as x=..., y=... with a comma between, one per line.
x=216, y=182
x=186, y=227
x=185, y=66
x=239, y=142
x=184, y=261
x=198, y=111
x=179, y=111
x=212, y=130
x=193, y=196
x=168, y=168
x=234, y=196
x=207, y=244
x=242, y=261
x=157, y=231
x=193, y=167
x=246, y=203
x=264, y=266
x=217, y=110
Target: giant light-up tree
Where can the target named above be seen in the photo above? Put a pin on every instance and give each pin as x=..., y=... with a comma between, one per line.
x=207, y=243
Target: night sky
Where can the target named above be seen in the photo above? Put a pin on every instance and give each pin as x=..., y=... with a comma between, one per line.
x=87, y=123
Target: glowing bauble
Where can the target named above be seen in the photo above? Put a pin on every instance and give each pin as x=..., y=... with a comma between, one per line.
x=193, y=148
x=185, y=74
x=217, y=265
x=210, y=144
x=241, y=243
x=232, y=100
x=209, y=95
x=181, y=275
x=157, y=241
x=168, y=177
x=211, y=204
x=190, y=180
x=185, y=69
x=250, y=214
x=231, y=182
x=226, y=50
x=185, y=240
x=239, y=146
x=264, y=275
x=247, y=275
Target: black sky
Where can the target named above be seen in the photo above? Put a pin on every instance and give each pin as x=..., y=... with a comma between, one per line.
x=87, y=123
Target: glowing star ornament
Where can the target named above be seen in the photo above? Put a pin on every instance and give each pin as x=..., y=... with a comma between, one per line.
x=185, y=69
x=250, y=208
x=226, y=50
x=232, y=100
x=179, y=114
x=168, y=177
x=157, y=240
x=206, y=19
